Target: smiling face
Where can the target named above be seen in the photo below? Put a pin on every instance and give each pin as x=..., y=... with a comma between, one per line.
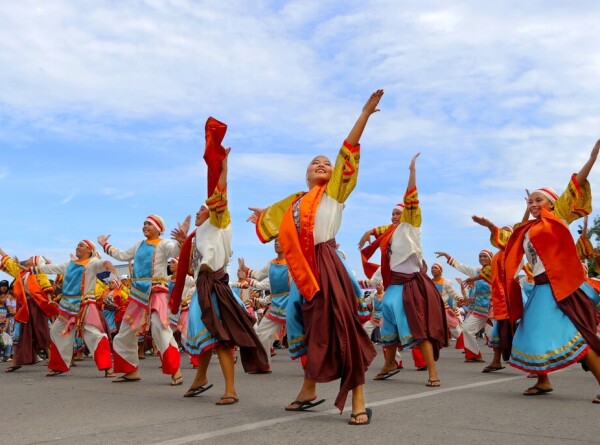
x=319, y=171
x=484, y=259
x=537, y=202
x=150, y=231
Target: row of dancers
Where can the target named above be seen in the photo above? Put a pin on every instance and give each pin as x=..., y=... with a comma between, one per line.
x=314, y=293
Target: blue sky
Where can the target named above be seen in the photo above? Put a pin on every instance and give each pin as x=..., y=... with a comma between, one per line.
x=103, y=104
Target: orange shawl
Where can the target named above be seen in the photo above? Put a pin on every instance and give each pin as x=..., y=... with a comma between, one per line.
x=553, y=242
x=41, y=298
x=299, y=245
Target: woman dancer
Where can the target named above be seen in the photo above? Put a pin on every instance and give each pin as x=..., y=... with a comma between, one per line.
x=451, y=298
x=413, y=310
x=34, y=308
x=557, y=326
x=479, y=315
x=336, y=344
x=217, y=319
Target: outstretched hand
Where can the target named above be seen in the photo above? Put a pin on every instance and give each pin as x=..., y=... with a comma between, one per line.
x=413, y=162
x=253, y=218
x=366, y=238
x=102, y=239
x=444, y=254
x=482, y=221
x=180, y=233
x=370, y=106
x=242, y=265
x=595, y=150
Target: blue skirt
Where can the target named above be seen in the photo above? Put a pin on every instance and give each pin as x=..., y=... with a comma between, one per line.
x=199, y=340
x=494, y=338
x=395, y=330
x=293, y=320
x=109, y=316
x=546, y=340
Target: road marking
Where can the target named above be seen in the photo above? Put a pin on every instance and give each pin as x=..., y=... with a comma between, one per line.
x=308, y=415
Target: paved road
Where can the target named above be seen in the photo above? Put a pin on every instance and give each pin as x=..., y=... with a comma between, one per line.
x=469, y=408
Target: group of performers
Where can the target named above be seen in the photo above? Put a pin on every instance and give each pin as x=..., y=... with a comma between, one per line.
x=314, y=295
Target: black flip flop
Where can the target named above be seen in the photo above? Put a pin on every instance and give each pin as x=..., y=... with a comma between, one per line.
x=13, y=368
x=386, y=375
x=538, y=391
x=368, y=412
x=193, y=392
x=303, y=405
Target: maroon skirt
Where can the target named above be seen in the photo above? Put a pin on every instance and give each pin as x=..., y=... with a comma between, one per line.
x=33, y=337
x=424, y=309
x=338, y=346
x=234, y=326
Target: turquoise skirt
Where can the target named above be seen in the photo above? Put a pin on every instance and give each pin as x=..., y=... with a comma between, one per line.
x=546, y=340
x=395, y=329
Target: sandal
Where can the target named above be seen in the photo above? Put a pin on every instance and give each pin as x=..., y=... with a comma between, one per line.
x=433, y=383
x=492, y=369
x=227, y=400
x=300, y=405
x=176, y=381
x=13, y=368
x=537, y=391
x=367, y=412
x=193, y=392
x=596, y=399
x=54, y=373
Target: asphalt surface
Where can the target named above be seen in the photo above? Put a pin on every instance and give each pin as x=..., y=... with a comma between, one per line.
x=469, y=408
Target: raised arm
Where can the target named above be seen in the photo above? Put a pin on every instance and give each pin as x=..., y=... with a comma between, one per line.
x=483, y=222
x=222, y=183
x=369, y=108
x=412, y=176
x=587, y=167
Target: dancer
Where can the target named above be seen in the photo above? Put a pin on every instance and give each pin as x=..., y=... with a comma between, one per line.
x=77, y=309
x=557, y=326
x=279, y=285
x=451, y=299
x=34, y=308
x=478, y=318
x=148, y=301
x=114, y=302
x=382, y=236
x=217, y=319
x=500, y=338
x=413, y=310
x=335, y=343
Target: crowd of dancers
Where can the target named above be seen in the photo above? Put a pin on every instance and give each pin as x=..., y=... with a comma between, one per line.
x=532, y=297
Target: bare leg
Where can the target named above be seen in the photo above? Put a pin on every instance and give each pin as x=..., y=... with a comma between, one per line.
x=201, y=379
x=543, y=383
x=307, y=393
x=390, y=359
x=227, y=367
x=592, y=360
x=496, y=362
x=427, y=350
x=358, y=404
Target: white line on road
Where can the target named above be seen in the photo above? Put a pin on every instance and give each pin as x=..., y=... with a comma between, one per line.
x=307, y=415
